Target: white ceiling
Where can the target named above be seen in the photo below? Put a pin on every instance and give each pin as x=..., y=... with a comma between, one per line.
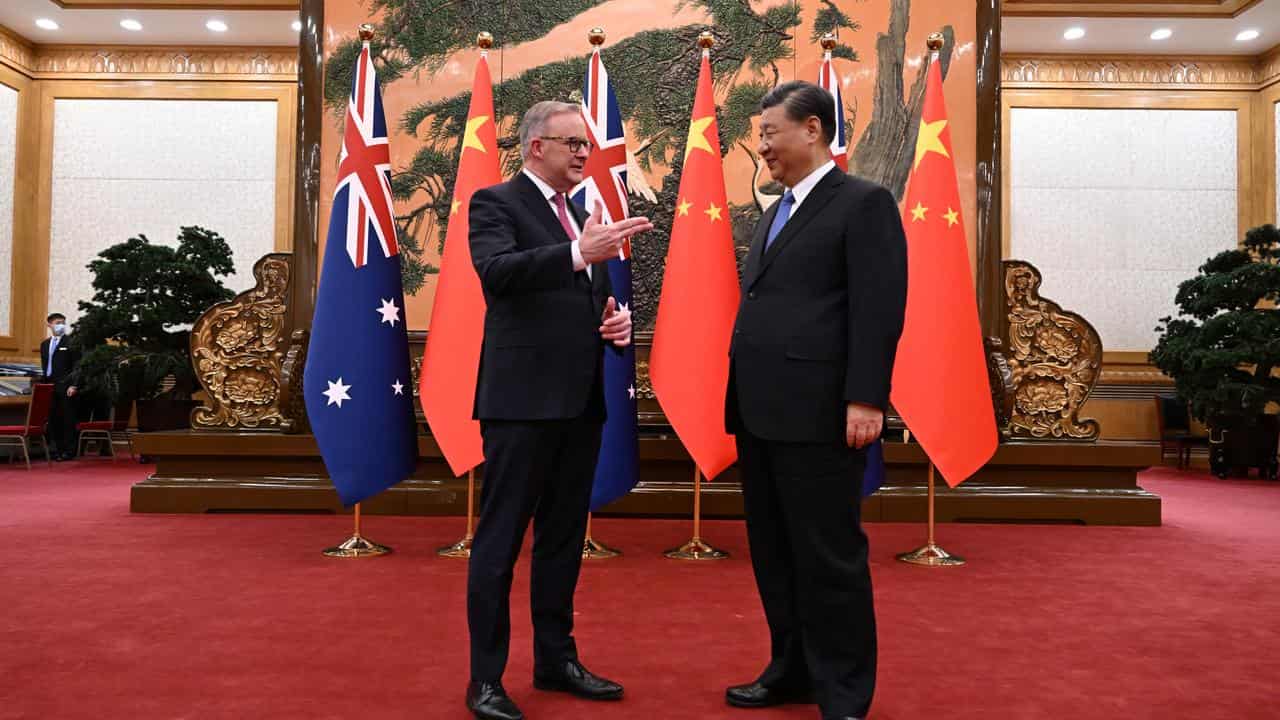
x=1194, y=36
x=159, y=27
x=1191, y=36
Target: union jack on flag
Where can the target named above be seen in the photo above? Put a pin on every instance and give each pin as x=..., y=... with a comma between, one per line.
x=364, y=169
x=605, y=174
x=830, y=81
x=605, y=180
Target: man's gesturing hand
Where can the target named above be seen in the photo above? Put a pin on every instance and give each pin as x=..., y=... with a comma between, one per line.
x=600, y=242
x=616, y=324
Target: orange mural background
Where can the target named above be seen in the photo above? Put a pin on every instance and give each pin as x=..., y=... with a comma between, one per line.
x=622, y=19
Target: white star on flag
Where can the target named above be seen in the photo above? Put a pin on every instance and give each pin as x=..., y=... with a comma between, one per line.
x=632, y=392
x=390, y=313
x=337, y=392
x=398, y=387
x=622, y=307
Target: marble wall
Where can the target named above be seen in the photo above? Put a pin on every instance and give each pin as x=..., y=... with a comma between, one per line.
x=1116, y=207
x=127, y=167
x=8, y=147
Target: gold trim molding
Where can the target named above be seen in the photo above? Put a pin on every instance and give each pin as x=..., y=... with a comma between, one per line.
x=77, y=61
x=178, y=4
x=1138, y=71
x=1126, y=8
x=16, y=51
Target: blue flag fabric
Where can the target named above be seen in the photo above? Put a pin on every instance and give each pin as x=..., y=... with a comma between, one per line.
x=874, y=475
x=605, y=182
x=357, y=383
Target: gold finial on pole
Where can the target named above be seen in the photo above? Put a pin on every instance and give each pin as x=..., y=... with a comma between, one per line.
x=484, y=40
x=366, y=32
x=935, y=42
x=596, y=36
x=828, y=41
x=706, y=40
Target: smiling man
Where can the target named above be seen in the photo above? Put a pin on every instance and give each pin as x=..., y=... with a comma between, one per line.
x=823, y=296
x=540, y=401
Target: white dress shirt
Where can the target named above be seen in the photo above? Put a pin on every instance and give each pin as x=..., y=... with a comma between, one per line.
x=806, y=184
x=579, y=263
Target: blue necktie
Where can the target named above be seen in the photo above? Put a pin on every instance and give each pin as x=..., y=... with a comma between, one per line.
x=53, y=347
x=784, y=213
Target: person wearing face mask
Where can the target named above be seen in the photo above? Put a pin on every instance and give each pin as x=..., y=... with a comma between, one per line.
x=58, y=358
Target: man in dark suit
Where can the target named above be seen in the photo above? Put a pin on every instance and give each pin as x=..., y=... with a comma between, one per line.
x=823, y=297
x=58, y=359
x=540, y=401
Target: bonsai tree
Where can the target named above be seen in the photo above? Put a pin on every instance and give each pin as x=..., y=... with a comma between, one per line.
x=135, y=331
x=1224, y=347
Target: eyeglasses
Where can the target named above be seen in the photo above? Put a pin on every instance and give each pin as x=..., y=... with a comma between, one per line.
x=575, y=143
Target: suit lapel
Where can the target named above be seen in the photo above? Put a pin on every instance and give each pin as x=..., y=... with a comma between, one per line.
x=751, y=266
x=817, y=199
x=541, y=209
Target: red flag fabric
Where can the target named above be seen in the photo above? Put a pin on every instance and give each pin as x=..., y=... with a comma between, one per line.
x=940, y=384
x=689, y=360
x=451, y=360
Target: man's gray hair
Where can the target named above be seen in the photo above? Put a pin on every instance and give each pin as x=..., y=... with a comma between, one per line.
x=535, y=120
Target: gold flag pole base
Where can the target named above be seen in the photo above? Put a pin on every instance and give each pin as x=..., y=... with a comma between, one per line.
x=695, y=549
x=594, y=550
x=931, y=555
x=357, y=545
x=462, y=548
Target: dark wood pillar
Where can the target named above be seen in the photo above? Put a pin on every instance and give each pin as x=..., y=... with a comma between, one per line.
x=990, y=243
x=306, y=212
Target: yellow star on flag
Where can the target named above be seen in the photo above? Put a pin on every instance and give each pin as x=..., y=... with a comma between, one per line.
x=713, y=212
x=917, y=212
x=952, y=216
x=471, y=138
x=929, y=139
x=456, y=204
x=683, y=207
x=698, y=136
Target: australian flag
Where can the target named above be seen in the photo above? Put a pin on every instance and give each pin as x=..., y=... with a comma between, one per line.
x=605, y=181
x=357, y=383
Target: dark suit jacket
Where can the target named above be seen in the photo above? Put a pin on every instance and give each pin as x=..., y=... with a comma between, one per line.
x=542, y=357
x=821, y=314
x=64, y=361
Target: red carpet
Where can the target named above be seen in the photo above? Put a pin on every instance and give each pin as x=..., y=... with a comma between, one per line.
x=104, y=614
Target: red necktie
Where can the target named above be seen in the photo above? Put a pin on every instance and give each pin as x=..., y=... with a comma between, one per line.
x=564, y=217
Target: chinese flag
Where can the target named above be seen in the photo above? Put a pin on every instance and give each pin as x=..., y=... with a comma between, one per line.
x=689, y=361
x=940, y=384
x=451, y=360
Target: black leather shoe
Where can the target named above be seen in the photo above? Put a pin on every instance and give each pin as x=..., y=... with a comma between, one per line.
x=488, y=701
x=569, y=676
x=843, y=717
x=755, y=695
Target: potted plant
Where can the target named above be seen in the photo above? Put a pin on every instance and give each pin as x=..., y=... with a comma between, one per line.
x=1224, y=348
x=134, y=333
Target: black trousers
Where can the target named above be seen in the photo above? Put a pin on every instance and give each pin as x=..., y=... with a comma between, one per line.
x=809, y=553
x=542, y=471
x=62, y=421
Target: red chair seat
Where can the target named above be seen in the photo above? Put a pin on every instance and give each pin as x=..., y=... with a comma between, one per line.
x=96, y=425
x=21, y=430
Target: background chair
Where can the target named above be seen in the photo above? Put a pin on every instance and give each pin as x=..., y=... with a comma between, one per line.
x=1176, y=432
x=34, y=429
x=115, y=429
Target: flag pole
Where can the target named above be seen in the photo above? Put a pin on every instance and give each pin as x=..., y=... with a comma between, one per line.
x=462, y=548
x=357, y=545
x=595, y=550
x=696, y=549
x=930, y=554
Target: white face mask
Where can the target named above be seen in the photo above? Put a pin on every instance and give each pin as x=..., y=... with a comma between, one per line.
x=59, y=329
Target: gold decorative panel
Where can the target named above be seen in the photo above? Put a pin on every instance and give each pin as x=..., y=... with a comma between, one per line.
x=16, y=51
x=138, y=62
x=1024, y=71
x=1055, y=357
x=238, y=349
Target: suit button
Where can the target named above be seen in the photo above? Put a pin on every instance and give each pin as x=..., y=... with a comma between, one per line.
x=751, y=296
